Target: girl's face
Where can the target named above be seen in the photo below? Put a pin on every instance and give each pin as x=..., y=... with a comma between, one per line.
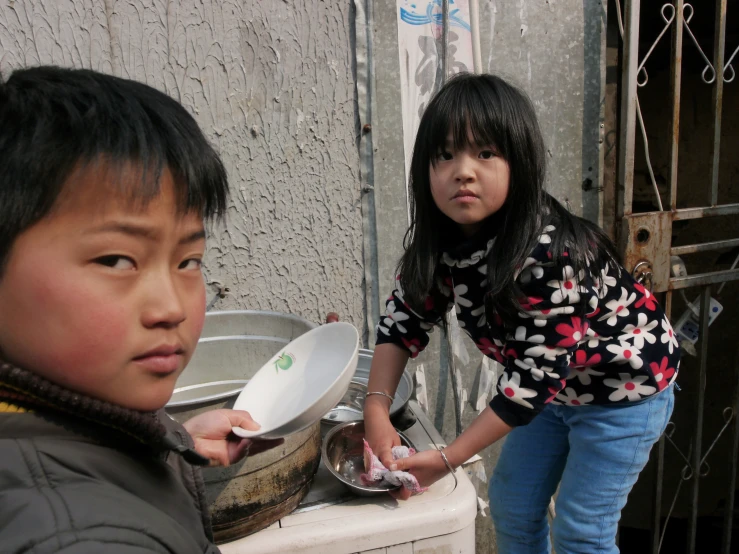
x=470, y=184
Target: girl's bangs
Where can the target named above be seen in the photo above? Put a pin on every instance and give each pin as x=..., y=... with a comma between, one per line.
x=470, y=115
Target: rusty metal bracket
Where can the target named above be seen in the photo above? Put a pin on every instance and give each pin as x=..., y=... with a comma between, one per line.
x=644, y=243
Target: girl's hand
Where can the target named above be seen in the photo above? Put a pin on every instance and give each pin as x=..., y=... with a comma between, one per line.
x=211, y=433
x=428, y=467
x=381, y=435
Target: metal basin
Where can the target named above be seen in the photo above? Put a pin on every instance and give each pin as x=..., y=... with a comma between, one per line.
x=343, y=454
x=351, y=406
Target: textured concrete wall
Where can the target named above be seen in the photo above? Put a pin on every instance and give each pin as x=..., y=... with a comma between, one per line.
x=553, y=50
x=272, y=85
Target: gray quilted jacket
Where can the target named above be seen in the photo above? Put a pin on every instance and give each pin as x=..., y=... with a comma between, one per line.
x=72, y=488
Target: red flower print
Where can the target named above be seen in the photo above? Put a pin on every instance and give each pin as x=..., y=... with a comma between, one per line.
x=511, y=353
x=580, y=359
x=573, y=333
x=662, y=373
x=414, y=345
x=555, y=391
x=529, y=303
x=429, y=303
x=647, y=300
x=490, y=349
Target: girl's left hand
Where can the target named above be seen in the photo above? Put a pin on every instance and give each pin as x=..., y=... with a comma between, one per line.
x=211, y=432
x=426, y=466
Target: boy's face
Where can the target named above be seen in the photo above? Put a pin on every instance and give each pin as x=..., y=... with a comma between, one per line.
x=103, y=298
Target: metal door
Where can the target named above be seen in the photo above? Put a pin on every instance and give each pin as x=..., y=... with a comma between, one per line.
x=645, y=239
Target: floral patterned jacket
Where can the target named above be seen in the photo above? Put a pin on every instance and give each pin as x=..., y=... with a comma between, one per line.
x=580, y=339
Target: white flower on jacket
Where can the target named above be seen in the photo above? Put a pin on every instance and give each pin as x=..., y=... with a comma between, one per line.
x=594, y=308
x=568, y=288
x=570, y=398
x=547, y=352
x=618, y=308
x=459, y=299
x=640, y=332
x=530, y=270
x=545, y=238
x=626, y=353
x=547, y=314
x=520, y=335
x=393, y=317
x=668, y=337
x=484, y=270
x=480, y=312
x=593, y=338
x=603, y=282
x=628, y=387
x=583, y=374
x=538, y=372
x=512, y=389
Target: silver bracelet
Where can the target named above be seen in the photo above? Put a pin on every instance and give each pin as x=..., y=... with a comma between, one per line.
x=446, y=461
x=392, y=398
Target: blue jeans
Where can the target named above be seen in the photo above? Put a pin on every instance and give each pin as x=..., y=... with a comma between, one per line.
x=595, y=453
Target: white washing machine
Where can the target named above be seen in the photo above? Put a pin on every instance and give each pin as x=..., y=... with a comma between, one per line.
x=331, y=520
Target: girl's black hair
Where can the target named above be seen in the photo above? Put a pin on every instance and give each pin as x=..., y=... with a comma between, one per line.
x=54, y=120
x=491, y=112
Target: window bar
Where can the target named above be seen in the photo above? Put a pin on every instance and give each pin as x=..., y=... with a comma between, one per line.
x=729, y=507
x=658, y=486
x=703, y=247
x=718, y=93
x=705, y=211
x=627, y=139
x=698, y=437
x=676, y=58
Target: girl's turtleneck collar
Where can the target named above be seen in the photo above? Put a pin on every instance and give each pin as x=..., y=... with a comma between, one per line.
x=462, y=251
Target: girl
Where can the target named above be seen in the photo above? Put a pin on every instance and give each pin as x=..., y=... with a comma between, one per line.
x=588, y=355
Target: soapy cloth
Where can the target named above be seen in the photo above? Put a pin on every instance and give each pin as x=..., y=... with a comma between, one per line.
x=379, y=474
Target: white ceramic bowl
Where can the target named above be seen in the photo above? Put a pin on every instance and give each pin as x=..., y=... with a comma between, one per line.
x=302, y=382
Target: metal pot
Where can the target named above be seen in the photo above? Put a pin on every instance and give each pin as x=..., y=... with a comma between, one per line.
x=351, y=406
x=263, y=488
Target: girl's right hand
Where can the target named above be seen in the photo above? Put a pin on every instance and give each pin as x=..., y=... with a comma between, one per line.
x=381, y=435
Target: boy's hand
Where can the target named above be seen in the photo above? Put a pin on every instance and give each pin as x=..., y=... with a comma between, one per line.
x=211, y=432
x=428, y=467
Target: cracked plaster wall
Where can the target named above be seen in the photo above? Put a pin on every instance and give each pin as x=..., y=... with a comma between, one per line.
x=272, y=86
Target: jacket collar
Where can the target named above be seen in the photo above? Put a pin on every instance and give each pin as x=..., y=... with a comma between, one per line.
x=24, y=391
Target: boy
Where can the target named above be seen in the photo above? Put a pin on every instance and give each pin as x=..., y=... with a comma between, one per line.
x=104, y=185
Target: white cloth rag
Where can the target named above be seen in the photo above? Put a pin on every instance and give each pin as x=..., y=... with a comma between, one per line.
x=376, y=473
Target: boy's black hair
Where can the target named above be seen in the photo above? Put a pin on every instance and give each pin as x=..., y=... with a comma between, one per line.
x=54, y=120
x=491, y=112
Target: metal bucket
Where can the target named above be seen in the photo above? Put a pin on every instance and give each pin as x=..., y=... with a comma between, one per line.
x=351, y=406
x=261, y=489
